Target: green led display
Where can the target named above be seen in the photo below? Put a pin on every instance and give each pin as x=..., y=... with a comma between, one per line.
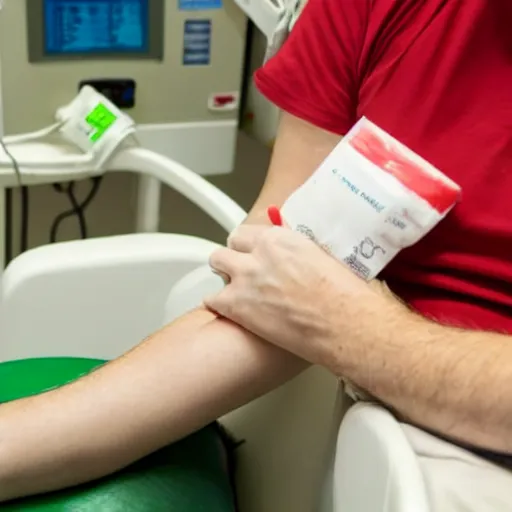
x=100, y=119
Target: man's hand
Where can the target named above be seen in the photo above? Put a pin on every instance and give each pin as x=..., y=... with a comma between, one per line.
x=284, y=288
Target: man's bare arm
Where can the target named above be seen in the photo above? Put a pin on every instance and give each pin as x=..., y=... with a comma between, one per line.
x=300, y=148
x=454, y=382
x=180, y=379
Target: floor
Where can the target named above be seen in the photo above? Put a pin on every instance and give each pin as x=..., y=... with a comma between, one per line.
x=113, y=210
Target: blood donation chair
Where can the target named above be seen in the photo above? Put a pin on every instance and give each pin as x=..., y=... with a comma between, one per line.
x=68, y=307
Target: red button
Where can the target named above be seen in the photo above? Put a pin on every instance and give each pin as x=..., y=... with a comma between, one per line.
x=222, y=101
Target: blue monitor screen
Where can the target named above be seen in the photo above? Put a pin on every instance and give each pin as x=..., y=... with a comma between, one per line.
x=96, y=26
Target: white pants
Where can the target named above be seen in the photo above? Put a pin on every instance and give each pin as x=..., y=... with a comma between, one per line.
x=458, y=480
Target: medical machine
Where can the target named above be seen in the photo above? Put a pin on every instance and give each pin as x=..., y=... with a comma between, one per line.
x=175, y=66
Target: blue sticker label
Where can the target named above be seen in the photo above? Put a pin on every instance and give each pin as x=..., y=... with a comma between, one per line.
x=197, y=42
x=199, y=5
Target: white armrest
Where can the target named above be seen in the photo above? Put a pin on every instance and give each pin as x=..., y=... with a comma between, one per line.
x=188, y=292
x=215, y=203
x=92, y=298
x=376, y=469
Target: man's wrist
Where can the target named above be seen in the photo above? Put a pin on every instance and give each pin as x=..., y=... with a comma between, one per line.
x=368, y=331
x=257, y=216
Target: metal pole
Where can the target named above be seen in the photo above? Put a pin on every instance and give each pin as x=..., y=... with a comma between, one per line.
x=148, y=205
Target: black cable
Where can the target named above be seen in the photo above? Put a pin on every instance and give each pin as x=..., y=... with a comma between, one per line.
x=24, y=218
x=8, y=225
x=77, y=208
x=9, y=252
x=69, y=190
x=246, y=73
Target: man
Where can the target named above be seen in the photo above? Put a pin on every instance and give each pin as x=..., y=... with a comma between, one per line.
x=436, y=74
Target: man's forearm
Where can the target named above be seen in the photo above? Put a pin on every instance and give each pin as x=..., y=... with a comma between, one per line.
x=177, y=381
x=457, y=383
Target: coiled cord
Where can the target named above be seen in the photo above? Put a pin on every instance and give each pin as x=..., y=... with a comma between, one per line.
x=77, y=208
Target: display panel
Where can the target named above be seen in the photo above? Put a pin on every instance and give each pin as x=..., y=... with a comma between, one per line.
x=85, y=26
x=68, y=29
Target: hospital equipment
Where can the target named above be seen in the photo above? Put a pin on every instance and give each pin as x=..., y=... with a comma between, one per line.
x=97, y=298
x=144, y=55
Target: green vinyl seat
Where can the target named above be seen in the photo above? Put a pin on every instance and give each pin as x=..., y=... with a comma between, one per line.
x=188, y=476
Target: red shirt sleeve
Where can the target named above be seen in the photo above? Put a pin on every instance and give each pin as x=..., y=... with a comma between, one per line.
x=315, y=75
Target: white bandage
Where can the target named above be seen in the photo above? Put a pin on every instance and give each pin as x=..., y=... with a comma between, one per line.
x=369, y=199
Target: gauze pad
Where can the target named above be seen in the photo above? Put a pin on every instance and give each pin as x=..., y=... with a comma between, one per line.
x=369, y=199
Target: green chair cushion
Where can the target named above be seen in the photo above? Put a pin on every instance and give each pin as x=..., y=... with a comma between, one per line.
x=188, y=476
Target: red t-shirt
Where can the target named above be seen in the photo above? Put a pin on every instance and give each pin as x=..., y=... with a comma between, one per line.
x=437, y=75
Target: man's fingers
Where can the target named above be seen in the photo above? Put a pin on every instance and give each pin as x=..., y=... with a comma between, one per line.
x=220, y=303
x=223, y=276
x=227, y=262
x=245, y=238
